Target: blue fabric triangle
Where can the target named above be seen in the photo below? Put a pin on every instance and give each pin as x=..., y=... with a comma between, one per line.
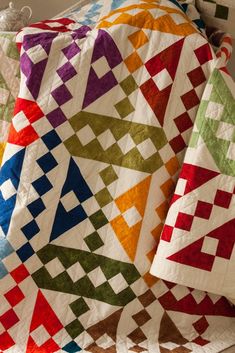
x=66, y=220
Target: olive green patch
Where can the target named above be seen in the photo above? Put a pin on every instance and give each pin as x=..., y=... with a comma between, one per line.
x=124, y=108
x=94, y=241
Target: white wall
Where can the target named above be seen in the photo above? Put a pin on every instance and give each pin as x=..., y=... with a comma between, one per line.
x=42, y=9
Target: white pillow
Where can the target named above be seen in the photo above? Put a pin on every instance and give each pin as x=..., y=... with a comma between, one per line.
x=218, y=13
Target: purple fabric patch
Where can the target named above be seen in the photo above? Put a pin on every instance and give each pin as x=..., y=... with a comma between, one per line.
x=80, y=32
x=97, y=87
x=61, y=95
x=26, y=64
x=56, y=117
x=71, y=50
x=34, y=73
x=44, y=39
x=66, y=72
x=105, y=46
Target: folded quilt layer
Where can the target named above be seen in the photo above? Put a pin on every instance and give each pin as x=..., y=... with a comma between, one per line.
x=197, y=243
x=101, y=124
x=9, y=84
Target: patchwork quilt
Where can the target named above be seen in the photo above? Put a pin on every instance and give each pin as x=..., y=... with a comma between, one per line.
x=101, y=124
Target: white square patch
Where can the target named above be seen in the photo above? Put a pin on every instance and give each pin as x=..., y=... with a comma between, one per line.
x=180, y=292
x=70, y=201
x=231, y=151
x=106, y=139
x=126, y=144
x=225, y=131
x=178, y=19
x=162, y=79
x=101, y=67
x=97, y=277
x=210, y=245
x=214, y=110
x=40, y=335
x=86, y=135
x=76, y=272
x=55, y=267
x=7, y=189
x=20, y=121
x=146, y=148
x=118, y=283
x=132, y=216
x=180, y=187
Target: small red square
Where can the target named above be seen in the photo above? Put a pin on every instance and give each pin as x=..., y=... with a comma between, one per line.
x=190, y=99
x=183, y=122
x=197, y=76
x=177, y=144
x=184, y=221
x=20, y=273
x=167, y=233
x=14, y=296
x=203, y=209
x=6, y=341
x=201, y=325
x=200, y=341
x=203, y=54
x=9, y=319
x=223, y=198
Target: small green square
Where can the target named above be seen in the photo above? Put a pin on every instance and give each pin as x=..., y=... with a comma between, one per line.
x=79, y=307
x=108, y=175
x=74, y=329
x=124, y=107
x=221, y=12
x=103, y=197
x=129, y=85
x=98, y=219
x=94, y=241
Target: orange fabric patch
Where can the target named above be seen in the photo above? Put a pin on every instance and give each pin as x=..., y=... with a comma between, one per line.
x=162, y=210
x=144, y=19
x=156, y=232
x=138, y=39
x=168, y=188
x=135, y=197
x=172, y=166
x=133, y=62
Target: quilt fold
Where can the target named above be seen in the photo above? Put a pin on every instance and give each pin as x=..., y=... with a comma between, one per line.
x=197, y=242
x=104, y=114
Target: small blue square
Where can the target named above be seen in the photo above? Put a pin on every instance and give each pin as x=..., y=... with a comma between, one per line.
x=25, y=252
x=36, y=207
x=30, y=229
x=51, y=139
x=47, y=162
x=5, y=248
x=3, y=270
x=42, y=185
x=72, y=347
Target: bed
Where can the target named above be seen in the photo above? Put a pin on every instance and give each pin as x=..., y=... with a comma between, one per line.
x=102, y=118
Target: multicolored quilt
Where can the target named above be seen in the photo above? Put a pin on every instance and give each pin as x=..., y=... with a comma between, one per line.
x=100, y=129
